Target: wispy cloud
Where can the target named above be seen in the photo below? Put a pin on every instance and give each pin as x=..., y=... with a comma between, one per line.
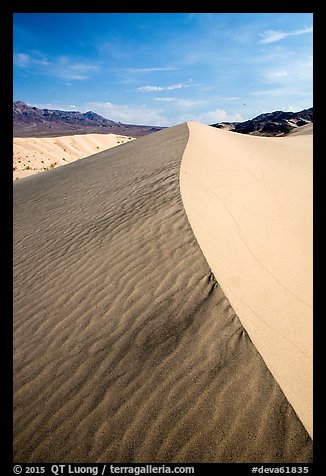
x=70, y=69
x=63, y=67
x=279, y=92
x=166, y=99
x=150, y=70
x=55, y=105
x=186, y=103
x=275, y=76
x=149, y=89
x=297, y=71
x=270, y=36
x=129, y=113
x=280, y=74
x=24, y=60
x=218, y=115
x=211, y=117
x=291, y=108
x=230, y=99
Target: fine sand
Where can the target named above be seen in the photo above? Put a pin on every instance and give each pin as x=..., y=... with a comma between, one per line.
x=249, y=202
x=125, y=347
x=303, y=130
x=33, y=155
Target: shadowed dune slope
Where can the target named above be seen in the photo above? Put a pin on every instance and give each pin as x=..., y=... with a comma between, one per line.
x=126, y=348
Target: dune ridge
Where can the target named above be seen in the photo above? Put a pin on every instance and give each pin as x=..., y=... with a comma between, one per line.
x=36, y=154
x=125, y=347
x=307, y=129
x=249, y=202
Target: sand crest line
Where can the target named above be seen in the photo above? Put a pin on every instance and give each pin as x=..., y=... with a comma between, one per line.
x=263, y=233
x=125, y=347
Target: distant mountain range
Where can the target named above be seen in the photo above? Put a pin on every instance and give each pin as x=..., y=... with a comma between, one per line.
x=31, y=121
x=270, y=124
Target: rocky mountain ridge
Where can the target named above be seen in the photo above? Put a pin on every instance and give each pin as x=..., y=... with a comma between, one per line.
x=275, y=123
x=29, y=121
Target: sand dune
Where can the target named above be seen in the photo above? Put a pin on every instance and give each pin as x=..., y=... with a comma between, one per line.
x=126, y=348
x=303, y=130
x=33, y=155
x=249, y=202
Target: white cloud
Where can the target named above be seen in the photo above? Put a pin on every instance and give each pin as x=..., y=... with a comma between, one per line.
x=275, y=76
x=166, y=99
x=211, y=117
x=57, y=106
x=218, y=115
x=63, y=67
x=131, y=114
x=181, y=102
x=291, y=108
x=68, y=69
x=279, y=74
x=230, y=99
x=149, y=89
x=128, y=114
x=270, y=36
x=21, y=60
x=279, y=92
x=297, y=71
x=149, y=70
x=162, y=88
x=24, y=60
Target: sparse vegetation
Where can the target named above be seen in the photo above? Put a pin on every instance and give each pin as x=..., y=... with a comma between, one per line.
x=14, y=168
x=53, y=165
x=28, y=167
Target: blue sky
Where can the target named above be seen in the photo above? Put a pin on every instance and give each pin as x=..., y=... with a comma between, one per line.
x=164, y=68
